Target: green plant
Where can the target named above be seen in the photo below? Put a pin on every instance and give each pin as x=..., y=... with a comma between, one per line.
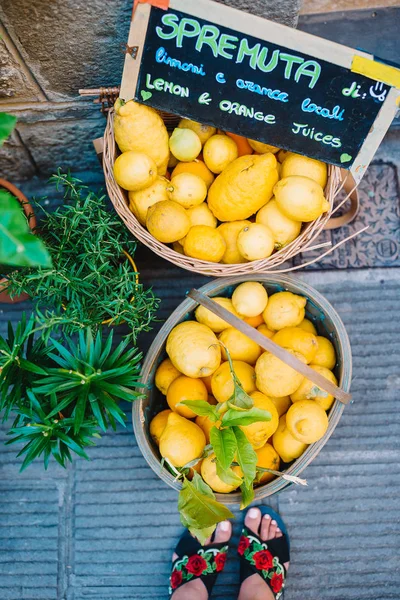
x=63, y=394
x=18, y=246
x=90, y=280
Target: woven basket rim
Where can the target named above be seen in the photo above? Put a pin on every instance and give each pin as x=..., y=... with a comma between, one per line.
x=304, y=241
x=187, y=306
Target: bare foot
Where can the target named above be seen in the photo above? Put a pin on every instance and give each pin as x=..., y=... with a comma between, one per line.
x=254, y=587
x=195, y=589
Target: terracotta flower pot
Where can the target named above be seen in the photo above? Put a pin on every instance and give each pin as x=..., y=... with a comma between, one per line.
x=28, y=210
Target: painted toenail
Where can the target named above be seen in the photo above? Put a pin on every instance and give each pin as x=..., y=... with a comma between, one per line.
x=273, y=522
x=253, y=513
x=224, y=526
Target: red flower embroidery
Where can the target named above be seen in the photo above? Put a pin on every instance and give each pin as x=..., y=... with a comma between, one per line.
x=276, y=583
x=263, y=559
x=196, y=565
x=220, y=561
x=176, y=579
x=244, y=543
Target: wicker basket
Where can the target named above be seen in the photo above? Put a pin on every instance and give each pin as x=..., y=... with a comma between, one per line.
x=327, y=322
x=118, y=197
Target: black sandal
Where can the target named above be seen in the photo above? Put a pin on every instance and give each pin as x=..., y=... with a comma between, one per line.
x=265, y=558
x=197, y=561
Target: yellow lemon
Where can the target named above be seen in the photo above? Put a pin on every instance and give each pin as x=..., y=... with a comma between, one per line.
x=140, y=128
x=254, y=321
x=201, y=215
x=158, y=424
x=265, y=331
x=222, y=382
x=203, y=131
x=326, y=355
x=250, y=299
x=297, y=339
x=194, y=349
x=307, y=421
x=218, y=152
x=255, y=242
x=230, y=232
x=207, y=317
x=205, y=243
x=207, y=383
x=296, y=164
x=300, y=198
x=185, y=388
x=187, y=189
x=268, y=458
x=206, y=425
x=134, y=170
x=258, y=433
x=308, y=325
x=283, y=229
x=282, y=404
x=282, y=154
x=285, y=444
x=284, y=309
x=140, y=201
x=165, y=375
x=167, y=221
x=243, y=187
x=209, y=474
x=178, y=247
x=240, y=347
x=181, y=441
x=276, y=378
x=310, y=391
x=197, y=167
x=185, y=144
x=262, y=148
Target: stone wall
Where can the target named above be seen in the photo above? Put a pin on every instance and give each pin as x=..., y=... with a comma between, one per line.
x=48, y=50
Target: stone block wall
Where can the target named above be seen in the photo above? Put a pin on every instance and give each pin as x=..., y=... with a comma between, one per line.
x=50, y=49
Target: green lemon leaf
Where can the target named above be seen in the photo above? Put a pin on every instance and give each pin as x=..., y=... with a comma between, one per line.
x=253, y=415
x=247, y=495
x=245, y=456
x=18, y=246
x=7, y=124
x=197, y=504
x=224, y=444
x=239, y=400
x=201, y=408
x=202, y=534
x=228, y=476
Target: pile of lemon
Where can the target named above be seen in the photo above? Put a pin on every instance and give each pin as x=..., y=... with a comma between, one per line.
x=197, y=369
x=229, y=199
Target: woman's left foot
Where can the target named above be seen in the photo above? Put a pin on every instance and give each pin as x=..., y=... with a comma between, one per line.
x=195, y=567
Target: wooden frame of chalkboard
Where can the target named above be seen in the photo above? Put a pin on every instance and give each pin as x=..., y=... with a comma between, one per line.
x=224, y=67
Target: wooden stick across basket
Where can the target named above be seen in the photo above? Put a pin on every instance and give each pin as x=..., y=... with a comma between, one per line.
x=328, y=324
x=304, y=242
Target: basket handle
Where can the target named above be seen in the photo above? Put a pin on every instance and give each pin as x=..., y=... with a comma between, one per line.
x=350, y=187
x=270, y=346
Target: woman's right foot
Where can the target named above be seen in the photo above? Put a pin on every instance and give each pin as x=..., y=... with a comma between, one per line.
x=254, y=587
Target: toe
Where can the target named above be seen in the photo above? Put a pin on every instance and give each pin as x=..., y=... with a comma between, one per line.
x=223, y=532
x=265, y=525
x=174, y=556
x=253, y=519
x=272, y=530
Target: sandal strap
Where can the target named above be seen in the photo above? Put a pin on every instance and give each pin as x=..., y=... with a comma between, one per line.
x=264, y=558
x=197, y=561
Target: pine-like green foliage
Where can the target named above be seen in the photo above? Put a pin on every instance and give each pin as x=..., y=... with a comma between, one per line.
x=90, y=280
x=62, y=394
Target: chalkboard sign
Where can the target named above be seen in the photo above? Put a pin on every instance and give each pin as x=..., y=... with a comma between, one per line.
x=297, y=94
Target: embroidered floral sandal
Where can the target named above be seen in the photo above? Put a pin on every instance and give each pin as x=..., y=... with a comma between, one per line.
x=198, y=562
x=266, y=558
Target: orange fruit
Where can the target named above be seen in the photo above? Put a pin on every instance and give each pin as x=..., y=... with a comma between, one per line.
x=185, y=388
x=268, y=458
x=196, y=167
x=242, y=144
x=254, y=321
